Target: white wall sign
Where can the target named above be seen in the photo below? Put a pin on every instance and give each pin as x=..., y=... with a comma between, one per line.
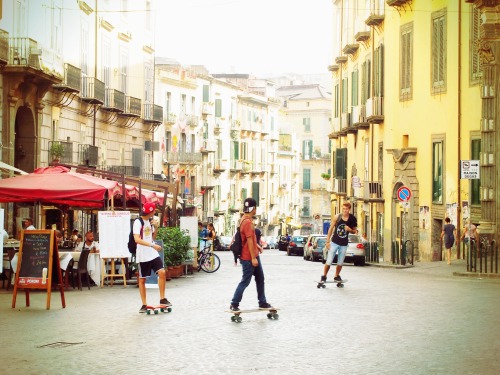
x=190, y=223
x=469, y=169
x=114, y=229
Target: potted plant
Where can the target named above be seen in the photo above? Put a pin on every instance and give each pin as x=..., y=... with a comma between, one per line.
x=56, y=151
x=326, y=176
x=176, y=244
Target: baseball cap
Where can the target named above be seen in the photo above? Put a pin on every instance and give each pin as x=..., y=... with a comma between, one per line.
x=249, y=205
x=148, y=208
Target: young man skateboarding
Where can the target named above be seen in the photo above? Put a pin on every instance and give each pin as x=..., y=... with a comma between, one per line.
x=249, y=260
x=147, y=255
x=338, y=235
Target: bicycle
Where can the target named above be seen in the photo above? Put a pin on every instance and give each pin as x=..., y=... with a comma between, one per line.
x=207, y=260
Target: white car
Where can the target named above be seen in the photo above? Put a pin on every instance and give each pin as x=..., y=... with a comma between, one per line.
x=355, y=251
x=309, y=246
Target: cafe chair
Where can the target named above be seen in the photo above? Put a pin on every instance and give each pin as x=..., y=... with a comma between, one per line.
x=11, y=272
x=82, y=270
x=68, y=273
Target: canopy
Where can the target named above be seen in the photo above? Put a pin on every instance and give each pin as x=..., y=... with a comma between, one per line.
x=10, y=168
x=58, y=185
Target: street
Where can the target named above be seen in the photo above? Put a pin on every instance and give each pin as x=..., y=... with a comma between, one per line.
x=384, y=321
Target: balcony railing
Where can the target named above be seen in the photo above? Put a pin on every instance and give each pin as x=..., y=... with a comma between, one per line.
x=24, y=52
x=67, y=151
x=114, y=101
x=4, y=47
x=72, y=79
x=171, y=118
x=340, y=186
x=88, y=155
x=184, y=157
x=132, y=106
x=128, y=170
x=372, y=190
x=93, y=90
x=192, y=121
x=153, y=113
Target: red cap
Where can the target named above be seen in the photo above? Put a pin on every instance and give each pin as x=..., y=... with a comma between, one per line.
x=148, y=208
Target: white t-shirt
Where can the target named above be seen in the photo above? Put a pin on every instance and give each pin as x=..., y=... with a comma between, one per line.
x=84, y=246
x=144, y=253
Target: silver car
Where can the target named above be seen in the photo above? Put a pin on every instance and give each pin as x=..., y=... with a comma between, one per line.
x=314, y=249
x=355, y=251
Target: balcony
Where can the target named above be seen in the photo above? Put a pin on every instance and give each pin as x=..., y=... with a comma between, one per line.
x=372, y=191
x=132, y=107
x=67, y=152
x=333, y=68
x=236, y=166
x=193, y=121
x=206, y=109
x=375, y=110
x=153, y=113
x=72, y=81
x=362, y=36
x=341, y=60
x=183, y=157
x=340, y=186
x=114, y=101
x=24, y=52
x=220, y=166
x=170, y=118
x=207, y=146
x=88, y=155
x=4, y=47
x=127, y=170
x=93, y=90
x=350, y=49
x=359, y=117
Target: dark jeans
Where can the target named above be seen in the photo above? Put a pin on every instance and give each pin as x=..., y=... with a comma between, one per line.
x=248, y=272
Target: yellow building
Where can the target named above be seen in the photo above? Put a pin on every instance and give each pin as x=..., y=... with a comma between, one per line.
x=406, y=110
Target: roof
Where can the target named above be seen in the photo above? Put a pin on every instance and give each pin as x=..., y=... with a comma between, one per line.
x=303, y=92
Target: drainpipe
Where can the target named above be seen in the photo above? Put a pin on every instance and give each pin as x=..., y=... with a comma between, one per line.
x=459, y=125
x=95, y=65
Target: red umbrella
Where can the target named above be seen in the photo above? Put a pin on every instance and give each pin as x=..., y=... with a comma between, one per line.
x=58, y=185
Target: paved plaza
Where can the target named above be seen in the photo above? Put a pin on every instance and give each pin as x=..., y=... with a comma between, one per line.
x=420, y=320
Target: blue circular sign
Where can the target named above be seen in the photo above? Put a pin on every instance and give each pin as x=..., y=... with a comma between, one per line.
x=404, y=194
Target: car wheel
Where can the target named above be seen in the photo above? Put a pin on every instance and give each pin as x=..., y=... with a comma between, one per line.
x=288, y=252
x=360, y=262
x=313, y=259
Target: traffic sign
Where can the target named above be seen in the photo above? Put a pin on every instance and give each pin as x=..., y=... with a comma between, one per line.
x=404, y=194
x=469, y=169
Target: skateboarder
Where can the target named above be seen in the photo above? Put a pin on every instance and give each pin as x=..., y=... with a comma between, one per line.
x=338, y=238
x=250, y=260
x=147, y=256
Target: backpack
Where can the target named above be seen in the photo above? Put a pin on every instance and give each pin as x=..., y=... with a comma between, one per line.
x=237, y=245
x=132, y=245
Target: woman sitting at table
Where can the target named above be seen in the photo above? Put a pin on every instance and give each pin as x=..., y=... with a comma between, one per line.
x=59, y=238
x=89, y=243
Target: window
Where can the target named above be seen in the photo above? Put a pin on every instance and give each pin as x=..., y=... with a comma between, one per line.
x=306, y=121
x=344, y=94
x=84, y=47
x=306, y=179
x=475, y=69
x=123, y=70
x=306, y=208
x=336, y=103
x=366, y=81
x=378, y=71
x=406, y=62
x=206, y=93
x=475, y=154
x=218, y=108
x=437, y=172
x=307, y=149
x=438, y=53
x=355, y=84
x=341, y=163
x=256, y=192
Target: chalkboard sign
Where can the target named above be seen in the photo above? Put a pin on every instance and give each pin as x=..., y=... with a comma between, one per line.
x=38, y=265
x=36, y=255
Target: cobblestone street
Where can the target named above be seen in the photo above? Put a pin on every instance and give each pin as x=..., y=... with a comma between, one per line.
x=420, y=320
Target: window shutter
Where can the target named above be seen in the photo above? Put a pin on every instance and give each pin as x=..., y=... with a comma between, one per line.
x=218, y=107
x=206, y=93
x=256, y=192
x=306, y=179
x=340, y=163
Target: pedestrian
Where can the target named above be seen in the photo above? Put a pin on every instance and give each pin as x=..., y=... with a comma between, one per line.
x=449, y=233
x=202, y=234
x=28, y=224
x=469, y=231
x=250, y=260
x=147, y=256
x=338, y=238
x=211, y=234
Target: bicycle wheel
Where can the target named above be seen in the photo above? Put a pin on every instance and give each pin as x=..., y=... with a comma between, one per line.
x=210, y=263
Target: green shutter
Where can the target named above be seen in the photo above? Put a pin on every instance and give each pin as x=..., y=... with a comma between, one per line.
x=256, y=191
x=218, y=107
x=306, y=179
x=206, y=93
x=475, y=184
x=341, y=163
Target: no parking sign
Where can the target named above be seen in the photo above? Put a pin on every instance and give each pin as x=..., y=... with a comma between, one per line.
x=404, y=194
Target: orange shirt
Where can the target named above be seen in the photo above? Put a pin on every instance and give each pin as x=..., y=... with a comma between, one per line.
x=246, y=230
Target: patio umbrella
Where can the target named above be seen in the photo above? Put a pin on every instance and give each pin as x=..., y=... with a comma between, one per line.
x=58, y=185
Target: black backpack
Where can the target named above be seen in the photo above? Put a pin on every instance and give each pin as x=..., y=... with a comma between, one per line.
x=237, y=245
x=132, y=245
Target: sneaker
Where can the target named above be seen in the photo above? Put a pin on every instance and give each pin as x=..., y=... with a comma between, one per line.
x=143, y=309
x=337, y=278
x=234, y=307
x=265, y=306
x=323, y=279
x=165, y=301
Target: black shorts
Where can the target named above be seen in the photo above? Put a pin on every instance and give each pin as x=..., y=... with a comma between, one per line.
x=145, y=268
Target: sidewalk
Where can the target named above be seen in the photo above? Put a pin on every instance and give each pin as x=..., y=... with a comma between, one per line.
x=458, y=268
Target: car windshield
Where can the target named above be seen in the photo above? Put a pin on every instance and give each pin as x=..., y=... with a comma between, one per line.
x=354, y=238
x=321, y=242
x=298, y=239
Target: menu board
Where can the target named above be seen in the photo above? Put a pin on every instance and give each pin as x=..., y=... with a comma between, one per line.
x=114, y=229
x=33, y=268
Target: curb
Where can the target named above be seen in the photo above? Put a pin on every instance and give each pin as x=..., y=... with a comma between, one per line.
x=477, y=275
x=393, y=266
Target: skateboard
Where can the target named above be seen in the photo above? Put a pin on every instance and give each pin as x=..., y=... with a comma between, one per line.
x=236, y=318
x=156, y=309
x=321, y=284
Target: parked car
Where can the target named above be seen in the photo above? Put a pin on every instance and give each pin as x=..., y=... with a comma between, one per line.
x=355, y=251
x=224, y=243
x=296, y=245
x=310, y=243
x=315, y=251
x=269, y=242
x=282, y=243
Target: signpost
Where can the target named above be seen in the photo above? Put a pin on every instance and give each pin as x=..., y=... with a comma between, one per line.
x=404, y=195
x=469, y=170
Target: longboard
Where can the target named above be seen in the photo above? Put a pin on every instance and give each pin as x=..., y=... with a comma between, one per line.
x=158, y=308
x=321, y=284
x=236, y=318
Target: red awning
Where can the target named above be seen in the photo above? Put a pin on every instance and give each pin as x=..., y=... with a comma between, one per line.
x=58, y=185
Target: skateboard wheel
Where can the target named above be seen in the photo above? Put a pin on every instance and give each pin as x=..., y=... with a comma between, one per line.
x=148, y=312
x=239, y=319
x=162, y=309
x=169, y=309
x=323, y=286
x=156, y=312
x=269, y=316
x=276, y=316
x=318, y=286
x=233, y=318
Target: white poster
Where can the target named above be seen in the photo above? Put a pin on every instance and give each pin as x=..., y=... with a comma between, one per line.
x=190, y=224
x=1, y=239
x=114, y=229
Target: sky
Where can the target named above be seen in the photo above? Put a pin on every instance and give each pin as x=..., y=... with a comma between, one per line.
x=261, y=37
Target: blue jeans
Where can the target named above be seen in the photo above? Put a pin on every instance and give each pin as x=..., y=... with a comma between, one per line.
x=248, y=272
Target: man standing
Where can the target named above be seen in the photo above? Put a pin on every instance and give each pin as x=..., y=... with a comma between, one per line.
x=147, y=255
x=249, y=260
x=338, y=235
